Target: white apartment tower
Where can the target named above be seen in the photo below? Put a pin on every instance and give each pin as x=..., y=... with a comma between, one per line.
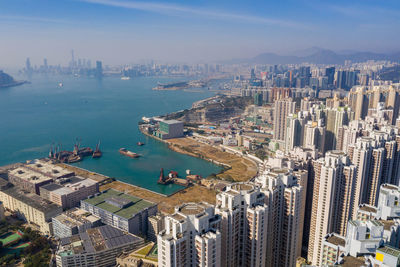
x=286, y=201
x=283, y=108
x=244, y=220
x=191, y=237
x=333, y=199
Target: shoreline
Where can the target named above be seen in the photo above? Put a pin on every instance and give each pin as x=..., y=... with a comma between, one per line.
x=236, y=170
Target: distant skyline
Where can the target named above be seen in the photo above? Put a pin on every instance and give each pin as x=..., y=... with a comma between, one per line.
x=120, y=32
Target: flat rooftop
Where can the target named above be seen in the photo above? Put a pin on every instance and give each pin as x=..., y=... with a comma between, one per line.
x=389, y=250
x=191, y=209
x=64, y=186
x=96, y=240
x=350, y=261
x=48, y=168
x=31, y=199
x=242, y=187
x=76, y=217
x=102, y=201
x=336, y=240
x=171, y=122
x=367, y=208
x=29, y=175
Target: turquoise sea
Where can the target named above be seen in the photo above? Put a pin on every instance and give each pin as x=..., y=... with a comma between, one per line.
x=33, y=116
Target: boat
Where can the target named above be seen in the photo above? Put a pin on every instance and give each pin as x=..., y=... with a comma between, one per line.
x=74, y=158
x=60, y=84
x=97, y=153
x=128, y=153
x=140, y=143
x=125, y=78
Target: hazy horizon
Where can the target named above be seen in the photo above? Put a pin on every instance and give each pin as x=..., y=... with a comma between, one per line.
x=122, y=32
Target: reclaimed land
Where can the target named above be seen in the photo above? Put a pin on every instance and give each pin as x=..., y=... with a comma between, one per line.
x=166, y=204
x=241, y=169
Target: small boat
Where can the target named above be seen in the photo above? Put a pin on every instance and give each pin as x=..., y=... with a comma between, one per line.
x=60, y=84
x=74, y=158
x=125, y=78
x=97, y=153
x=140, y=143
x=128, y=153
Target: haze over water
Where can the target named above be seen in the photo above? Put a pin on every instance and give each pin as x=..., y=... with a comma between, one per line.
x=34, y=116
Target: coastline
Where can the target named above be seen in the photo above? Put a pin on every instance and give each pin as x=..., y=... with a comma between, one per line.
x=235, y=167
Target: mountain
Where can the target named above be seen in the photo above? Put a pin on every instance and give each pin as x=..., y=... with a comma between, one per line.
x=8, y=81
x=317, y=56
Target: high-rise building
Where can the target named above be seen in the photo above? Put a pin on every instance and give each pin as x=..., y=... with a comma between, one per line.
x=191, y=237
x=285, y=198
x=244, y=220
x=283, y=108
x=333, y=199
x=99, y=69
x=314, y=136
x=294, y=130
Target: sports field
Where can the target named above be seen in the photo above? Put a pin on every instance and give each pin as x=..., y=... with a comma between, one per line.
x=11, y=238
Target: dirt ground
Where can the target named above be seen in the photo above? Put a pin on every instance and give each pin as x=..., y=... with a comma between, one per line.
x=195, y=193
x=242, y=168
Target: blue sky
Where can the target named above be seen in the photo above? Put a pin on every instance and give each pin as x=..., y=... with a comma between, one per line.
x=125, y=31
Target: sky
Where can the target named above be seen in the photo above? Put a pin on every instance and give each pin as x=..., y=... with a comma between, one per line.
x=129, y=31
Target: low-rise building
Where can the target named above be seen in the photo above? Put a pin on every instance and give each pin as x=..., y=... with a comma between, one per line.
x=73, y=222
x=30, y=207
x=96, y=247
x=120, y=210
x=333, y=246
x=68, y=192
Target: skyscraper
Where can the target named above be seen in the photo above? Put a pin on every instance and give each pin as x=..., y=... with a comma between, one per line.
x=333, y=199
x=190, y=237
x=99, y=69
x=244, y=219
x=283, y=108
x=285, y=198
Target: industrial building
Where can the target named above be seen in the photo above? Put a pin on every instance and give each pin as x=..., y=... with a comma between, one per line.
x=120, y=210
x=30, y=207
x=73, y=222
x=96, y=247
x=68, y=192
x=169, y=129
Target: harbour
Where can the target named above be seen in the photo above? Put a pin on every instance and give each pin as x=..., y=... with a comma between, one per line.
x=93, y=111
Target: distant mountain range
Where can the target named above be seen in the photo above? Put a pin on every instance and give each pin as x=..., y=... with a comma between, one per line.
x=317, y=55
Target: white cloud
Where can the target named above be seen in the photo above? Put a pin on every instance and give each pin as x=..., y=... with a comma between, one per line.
x=178, y=10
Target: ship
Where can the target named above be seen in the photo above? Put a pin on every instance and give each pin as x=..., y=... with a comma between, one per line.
x=140, y=143
x=128, y=153
x=125, y=78
x=97, y=153
x=73, y=158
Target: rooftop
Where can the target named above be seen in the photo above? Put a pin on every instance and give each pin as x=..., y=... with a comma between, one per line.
x=368, y=208
x=350, y=261
x=191, y=209
x=96, y=240
x=31, y=199
x=102, y=201
x=242, y=187
x=387, y=224
x=336, y=240
x=64, y=186
x=169, y=122
x=32, y=176
x=389, y=250
x=76, y=217
x=48, y=168
x=390, y=187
